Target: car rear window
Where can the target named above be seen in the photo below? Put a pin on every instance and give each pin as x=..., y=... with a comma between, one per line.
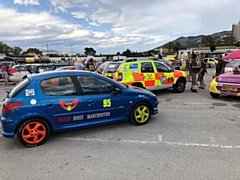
x=112, y=67
x=16, y=90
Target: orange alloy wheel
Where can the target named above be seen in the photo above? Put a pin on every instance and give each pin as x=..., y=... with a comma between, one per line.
x=34, y=132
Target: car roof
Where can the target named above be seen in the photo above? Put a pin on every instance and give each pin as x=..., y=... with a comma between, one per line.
x=59, y=73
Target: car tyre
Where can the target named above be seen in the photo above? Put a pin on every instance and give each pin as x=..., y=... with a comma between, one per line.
x=214, y=95
x=179, y=87
x=140, y=114
x=33, y=132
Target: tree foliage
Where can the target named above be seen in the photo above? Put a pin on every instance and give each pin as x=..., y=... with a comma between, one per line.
x=127, y=53
x=32, y=50
x=89, y=51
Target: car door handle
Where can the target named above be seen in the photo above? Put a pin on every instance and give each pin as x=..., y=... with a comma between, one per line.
x=90, y=102
x=49, y=104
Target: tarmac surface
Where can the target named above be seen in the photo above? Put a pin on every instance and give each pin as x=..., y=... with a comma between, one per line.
x=192, y=137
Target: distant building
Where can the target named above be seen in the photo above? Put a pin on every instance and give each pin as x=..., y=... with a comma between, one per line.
x=236, y=31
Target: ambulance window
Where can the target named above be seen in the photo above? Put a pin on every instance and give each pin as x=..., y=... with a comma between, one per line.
x=146, y=67
x=160, y=67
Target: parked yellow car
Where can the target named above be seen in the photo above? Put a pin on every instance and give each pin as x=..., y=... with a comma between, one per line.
x=211, y=62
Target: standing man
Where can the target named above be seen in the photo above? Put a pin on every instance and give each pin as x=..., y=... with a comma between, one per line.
x=194, y=70
x=220, y=65
x=188, y=60
x=5, y=69
x=202, y=72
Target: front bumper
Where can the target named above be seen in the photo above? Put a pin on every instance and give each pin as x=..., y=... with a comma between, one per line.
x=213, y=87
x=155, y=108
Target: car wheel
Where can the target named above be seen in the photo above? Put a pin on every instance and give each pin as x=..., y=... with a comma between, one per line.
x=140, y=114
x=33, y=132
x=214, y=95
x=180, y=85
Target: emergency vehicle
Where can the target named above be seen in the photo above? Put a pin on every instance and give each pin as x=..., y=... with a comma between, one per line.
x=149, y=74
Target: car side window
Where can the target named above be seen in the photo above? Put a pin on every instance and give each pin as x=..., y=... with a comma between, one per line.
x=146, y=67
x=94, y=85
x=160, y=67
x=60, y=86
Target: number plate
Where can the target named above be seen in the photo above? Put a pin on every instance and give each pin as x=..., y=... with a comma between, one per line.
x=229, y=89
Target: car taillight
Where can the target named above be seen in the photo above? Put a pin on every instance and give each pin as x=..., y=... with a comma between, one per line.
x=10, y=106
x=120, y=76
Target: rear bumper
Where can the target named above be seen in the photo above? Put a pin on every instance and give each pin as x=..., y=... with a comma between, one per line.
x=8, y=126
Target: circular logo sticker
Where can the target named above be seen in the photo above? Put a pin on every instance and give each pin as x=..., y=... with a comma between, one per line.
x=33, y=102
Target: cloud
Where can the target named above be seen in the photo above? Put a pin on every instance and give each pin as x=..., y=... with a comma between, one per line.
x=79, y=15
x=27, y=2
x=104, y=16
x=70, y=3
x=113, y=25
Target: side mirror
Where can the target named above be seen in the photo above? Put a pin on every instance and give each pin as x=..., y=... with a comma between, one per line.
x=117, y=90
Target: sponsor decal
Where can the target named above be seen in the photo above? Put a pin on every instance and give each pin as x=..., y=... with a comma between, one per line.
x=29, y=92
x=64, y=119
x=98, y=115
x=163, y=79
x=33, y=101
x=78, y=118
x=68, y=105
x=133, y=67
x=107, y=103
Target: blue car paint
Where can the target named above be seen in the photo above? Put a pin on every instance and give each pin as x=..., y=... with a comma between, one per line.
x=121, y=112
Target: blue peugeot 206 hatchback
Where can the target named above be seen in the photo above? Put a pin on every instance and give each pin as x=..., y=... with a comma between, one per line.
x=65, y=100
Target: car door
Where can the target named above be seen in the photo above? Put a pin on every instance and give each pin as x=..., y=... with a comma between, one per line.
x=148, y=74
x=164, y=76
x=102, y=105
x=60, y=99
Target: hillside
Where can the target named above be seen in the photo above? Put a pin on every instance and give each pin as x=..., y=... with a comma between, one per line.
x=195, y=41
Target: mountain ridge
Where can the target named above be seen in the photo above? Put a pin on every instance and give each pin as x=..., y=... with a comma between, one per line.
x=195, y=41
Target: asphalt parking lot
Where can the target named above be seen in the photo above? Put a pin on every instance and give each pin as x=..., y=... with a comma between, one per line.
x=193, y=137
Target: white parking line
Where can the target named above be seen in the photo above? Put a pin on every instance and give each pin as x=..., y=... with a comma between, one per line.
x=160, y=141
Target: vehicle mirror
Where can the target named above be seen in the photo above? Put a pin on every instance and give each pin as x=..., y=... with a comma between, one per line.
x=117, y=90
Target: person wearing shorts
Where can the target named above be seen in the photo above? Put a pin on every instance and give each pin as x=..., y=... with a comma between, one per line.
x=194, y=71
x=5, y=74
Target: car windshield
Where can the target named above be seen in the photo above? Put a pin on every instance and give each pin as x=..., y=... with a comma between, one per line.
x=233, y=63
x=112, y=67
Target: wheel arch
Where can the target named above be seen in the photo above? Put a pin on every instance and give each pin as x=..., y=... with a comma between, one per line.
x=151, y=108
x=138, y=84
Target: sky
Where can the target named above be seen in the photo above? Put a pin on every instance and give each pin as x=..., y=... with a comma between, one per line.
x=110, y=26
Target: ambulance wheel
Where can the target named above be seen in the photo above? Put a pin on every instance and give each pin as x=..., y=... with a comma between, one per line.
x=140, y=114
x=33, y=132
x=214, y=95
x=179, y=87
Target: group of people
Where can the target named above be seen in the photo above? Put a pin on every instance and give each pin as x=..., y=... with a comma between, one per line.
x=91, y=66
x=197, y=69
